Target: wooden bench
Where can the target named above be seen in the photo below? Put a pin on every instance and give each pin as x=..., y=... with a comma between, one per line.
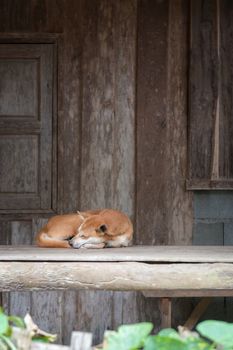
x=158, y=271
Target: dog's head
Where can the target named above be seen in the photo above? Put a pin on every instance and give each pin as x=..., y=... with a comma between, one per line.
x=91, y=233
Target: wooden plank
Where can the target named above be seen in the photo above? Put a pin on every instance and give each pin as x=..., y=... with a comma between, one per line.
x=98, y=137
x=46, y=307
x=167, y=254
x=20, y=302
x=81, y=341
x=198, y=279
x=151, y=196
x=36, y=16
x=5, y=230
x=69, y=107
x=203, y=89
x=165, y=312
x=179, y=203
x=95, y=306
x=226, y=90
x=108, y=124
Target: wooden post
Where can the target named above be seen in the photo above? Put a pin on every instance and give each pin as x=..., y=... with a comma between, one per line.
x=81, y=341
x=165, y=311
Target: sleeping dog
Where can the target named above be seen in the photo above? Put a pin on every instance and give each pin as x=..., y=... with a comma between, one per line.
x=88, y=229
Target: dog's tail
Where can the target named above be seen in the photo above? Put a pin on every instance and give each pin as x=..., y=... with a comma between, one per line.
x=44, y=240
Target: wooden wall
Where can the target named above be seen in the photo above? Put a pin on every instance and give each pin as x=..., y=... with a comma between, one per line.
x=121, y=137
x=210, y=97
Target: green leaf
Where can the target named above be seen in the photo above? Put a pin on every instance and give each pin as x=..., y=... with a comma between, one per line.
x=157, y=342
x=4, y=324
x=8, y=342
x=170, y=333
x=3, y=346
x=44, y=338
x=218, y=331
x=198, y=344
x=17, y=321
x=129, y=337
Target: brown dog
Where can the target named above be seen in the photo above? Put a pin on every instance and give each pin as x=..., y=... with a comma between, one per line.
x=89, y=229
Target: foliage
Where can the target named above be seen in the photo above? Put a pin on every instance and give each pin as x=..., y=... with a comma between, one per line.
x=10, y=324
x=211, y=335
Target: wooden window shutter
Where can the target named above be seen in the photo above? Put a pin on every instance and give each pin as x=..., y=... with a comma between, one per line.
x=211, y=95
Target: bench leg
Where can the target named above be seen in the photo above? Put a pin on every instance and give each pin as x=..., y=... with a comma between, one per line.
x=165, y=307
x=197, y=313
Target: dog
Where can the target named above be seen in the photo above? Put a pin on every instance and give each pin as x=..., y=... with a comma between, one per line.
x=88, y=229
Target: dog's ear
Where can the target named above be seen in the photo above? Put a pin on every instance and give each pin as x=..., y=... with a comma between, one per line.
x=81, y=216
x=102, y=229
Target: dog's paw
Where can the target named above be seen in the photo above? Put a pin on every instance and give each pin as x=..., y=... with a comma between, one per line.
x=93, y=246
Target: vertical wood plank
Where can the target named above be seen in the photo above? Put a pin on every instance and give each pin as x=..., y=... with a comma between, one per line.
x=69, y=108
x=203, y=87
x=98, y=106
x=46, y=307
x=164, y=209
x=98, y=142
x=226, y=90
x=94, y=313
x=107, y=178
x=151, y=124
x=5, y=237
x=178, y=201
x=69, y=133
x=31, y=16
x=152, y=162
x=166, y=312
x=19, y=302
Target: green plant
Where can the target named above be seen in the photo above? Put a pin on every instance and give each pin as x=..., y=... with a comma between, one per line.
x=210, y=335
x=6, y=323
x=12, y=328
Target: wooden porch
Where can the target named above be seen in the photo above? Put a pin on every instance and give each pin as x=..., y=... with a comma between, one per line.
x=161, y=272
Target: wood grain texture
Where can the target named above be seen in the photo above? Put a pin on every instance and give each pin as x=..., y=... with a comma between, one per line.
x=97, y=84
x=5, y=236
x=108, y=100
x=31, y=16
x=19, y=303
x=108, y=105
x=165, y=306
x=164, y=209
x=226, y=91
x=179, y=203
x=46, y=307
x=203, y=87
x=155, y=254
x=26, y=140
x=210, y=140
x=176, y=279
x=152, y=122
x=69, y=107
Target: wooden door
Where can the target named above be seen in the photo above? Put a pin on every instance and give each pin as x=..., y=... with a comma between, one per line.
x=27, y=161
x=26, y=83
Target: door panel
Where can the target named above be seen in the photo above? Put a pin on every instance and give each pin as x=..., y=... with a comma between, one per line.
x=26, y=108
x=19, y=75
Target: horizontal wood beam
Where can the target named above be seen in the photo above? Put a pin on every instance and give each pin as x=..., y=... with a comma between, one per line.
x=150, y=254
x=163, y=279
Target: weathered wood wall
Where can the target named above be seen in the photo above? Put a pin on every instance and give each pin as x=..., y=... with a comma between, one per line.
x=121, y=136
x=210, y=98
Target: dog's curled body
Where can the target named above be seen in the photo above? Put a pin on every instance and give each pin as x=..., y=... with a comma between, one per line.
x=88, y=229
